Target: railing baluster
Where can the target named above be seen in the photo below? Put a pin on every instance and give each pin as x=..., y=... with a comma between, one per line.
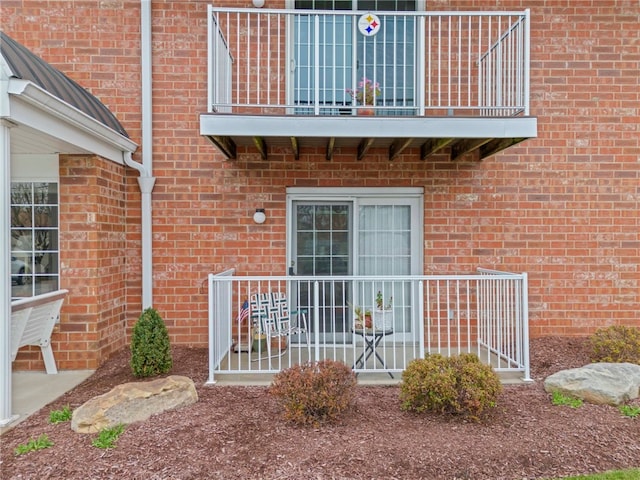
x=420, y=55
x=316, y=317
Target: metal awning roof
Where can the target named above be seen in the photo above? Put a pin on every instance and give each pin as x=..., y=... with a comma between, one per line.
x=27, y=66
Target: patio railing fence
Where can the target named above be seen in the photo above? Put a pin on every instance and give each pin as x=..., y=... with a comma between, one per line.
x=302, y=62
x=484, y=313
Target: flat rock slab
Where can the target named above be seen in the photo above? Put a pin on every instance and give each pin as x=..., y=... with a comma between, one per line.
x=599, y=383
x=133, y=402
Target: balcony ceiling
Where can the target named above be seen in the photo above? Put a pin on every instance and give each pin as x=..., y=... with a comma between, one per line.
x=429, y=135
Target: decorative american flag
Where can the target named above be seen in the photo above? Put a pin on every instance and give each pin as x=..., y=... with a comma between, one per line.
x=244, y=312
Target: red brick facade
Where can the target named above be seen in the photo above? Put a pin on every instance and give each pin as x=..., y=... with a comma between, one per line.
x=564, y=207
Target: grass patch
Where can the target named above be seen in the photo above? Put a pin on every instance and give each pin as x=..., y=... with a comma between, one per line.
x=32, y=445
x=107, y=437
x=559, y=398
x=59, y=416
x=631, y=474
x=629, y=411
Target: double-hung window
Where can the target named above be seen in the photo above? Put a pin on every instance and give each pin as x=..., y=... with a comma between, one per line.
x=34, y=238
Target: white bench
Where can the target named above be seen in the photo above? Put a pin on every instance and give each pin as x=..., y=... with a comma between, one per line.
x=32, y=322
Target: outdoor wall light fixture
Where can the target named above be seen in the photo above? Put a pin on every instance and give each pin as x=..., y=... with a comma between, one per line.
x=259, y=216
x=258, y=3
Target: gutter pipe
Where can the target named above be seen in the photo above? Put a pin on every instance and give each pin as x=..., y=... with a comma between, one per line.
x=146, y=183
x=146, y=180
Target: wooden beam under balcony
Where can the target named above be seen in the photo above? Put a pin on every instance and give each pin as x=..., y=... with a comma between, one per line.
x=261, y=145
x=364, y=146
x=463, y=147
x=496, y=145
x=295, y=147
x=331, y=145
x=432, y=145
x=398, y=145
x=225, y=144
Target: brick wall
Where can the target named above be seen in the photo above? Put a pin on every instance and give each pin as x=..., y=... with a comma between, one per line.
x=562, y=207
x=93, y=248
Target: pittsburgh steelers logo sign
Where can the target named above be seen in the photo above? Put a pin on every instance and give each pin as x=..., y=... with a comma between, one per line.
x=369, y=24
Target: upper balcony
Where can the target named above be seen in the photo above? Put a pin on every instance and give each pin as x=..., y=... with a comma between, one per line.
x=455, y=82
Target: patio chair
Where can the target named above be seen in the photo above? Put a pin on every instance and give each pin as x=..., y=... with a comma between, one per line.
x=272, y=318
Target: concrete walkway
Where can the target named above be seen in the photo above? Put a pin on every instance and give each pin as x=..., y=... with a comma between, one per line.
x=31, y=391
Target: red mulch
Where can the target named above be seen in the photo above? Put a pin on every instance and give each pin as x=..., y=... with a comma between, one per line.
x=237, y=432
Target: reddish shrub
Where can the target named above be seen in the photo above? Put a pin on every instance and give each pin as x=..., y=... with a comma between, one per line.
x=315, y=392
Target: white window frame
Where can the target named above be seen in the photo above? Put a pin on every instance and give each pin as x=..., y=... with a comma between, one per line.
x=368, y=195
x=23, y=168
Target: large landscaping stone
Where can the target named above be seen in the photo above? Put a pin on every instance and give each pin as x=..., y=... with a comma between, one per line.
x=133, y=402
x=599, y=383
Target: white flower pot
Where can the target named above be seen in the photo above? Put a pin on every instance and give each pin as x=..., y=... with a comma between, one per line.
x=383, y=319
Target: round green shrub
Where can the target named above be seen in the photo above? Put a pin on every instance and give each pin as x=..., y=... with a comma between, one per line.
x=315, y=392
x=150, y=348
x=459, y=385
x=616, y=344
x=478, y=385
x=428, y=384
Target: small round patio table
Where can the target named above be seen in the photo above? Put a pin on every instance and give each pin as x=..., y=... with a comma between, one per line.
x=372, y=338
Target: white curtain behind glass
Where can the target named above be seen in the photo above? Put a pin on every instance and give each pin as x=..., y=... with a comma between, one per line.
x=384, y=248
x=384, y=240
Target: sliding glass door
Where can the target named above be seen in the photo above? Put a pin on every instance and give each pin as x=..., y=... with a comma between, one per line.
x=331, y=55
x=370, y=234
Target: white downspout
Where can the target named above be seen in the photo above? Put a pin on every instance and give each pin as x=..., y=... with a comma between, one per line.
x=146, y=180
x=146, y=183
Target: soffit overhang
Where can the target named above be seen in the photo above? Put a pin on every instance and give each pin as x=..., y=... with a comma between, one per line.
x=47, y=124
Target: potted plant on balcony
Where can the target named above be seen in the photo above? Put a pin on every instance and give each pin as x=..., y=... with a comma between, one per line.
x=363, y=318
x=383, y=315
x=365, y=94
x=259, y=340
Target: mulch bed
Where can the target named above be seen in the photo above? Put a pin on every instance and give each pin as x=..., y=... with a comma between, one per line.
x=237, y=432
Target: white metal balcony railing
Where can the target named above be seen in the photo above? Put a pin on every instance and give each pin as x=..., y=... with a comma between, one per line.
x=267, y=61
x=485, y=314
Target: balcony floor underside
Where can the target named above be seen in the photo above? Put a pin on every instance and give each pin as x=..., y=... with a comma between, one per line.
x=481, y=136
